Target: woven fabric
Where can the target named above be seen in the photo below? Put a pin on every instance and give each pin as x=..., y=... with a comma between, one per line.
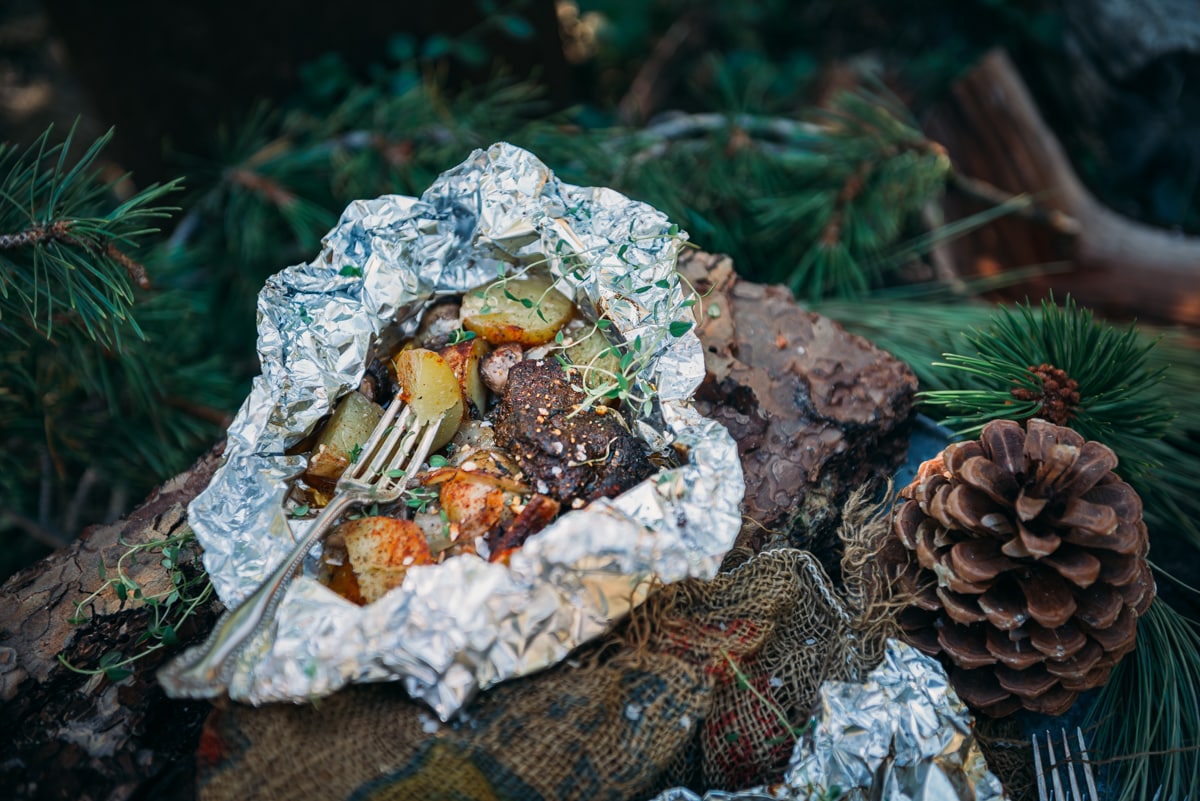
x=704, y=685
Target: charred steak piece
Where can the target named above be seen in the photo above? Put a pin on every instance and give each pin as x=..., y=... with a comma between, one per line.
x=572, y=458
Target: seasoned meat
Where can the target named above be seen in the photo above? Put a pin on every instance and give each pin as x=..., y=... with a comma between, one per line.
x=572, y=458
x=495, y=366
x=538, y=513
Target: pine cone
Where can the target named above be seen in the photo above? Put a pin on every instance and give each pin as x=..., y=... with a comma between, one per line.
x=1022, y=556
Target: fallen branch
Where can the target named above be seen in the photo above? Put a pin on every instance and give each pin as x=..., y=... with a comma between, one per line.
x=993, y=131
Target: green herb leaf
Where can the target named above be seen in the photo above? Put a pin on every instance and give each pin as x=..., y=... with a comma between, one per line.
x=437, y=460
x=168, y=636
x=300, y=510
x=679, y=328
x=351, y=271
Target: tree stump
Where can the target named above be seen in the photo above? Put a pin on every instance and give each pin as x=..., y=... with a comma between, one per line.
x=815, y=410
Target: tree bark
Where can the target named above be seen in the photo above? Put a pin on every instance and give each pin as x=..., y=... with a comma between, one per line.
x=815, y=411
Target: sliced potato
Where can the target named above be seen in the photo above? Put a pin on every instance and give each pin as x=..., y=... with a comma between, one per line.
x=343, y=435
x=474, y=506
x=464, y=359
x=430, y=387
x=596, y=357
x=526, y=309
x=381, y=550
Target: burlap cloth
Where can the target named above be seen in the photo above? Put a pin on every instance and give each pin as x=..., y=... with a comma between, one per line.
x=706, y=685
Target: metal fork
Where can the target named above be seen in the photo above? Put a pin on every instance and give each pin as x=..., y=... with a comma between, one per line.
x=1065, y=765
x=392, y=454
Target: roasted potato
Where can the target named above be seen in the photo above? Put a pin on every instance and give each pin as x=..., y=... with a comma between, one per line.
x=596, y=357
x=464, y=359
x=473, y=506
x=526, y=309
x=337, y=445
x=381, y=550
x=430, y=387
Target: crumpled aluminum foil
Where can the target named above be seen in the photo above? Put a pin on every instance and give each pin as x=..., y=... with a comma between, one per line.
x=466, y=624
x=902, y=735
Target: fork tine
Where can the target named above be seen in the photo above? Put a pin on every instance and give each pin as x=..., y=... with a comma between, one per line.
x=408, y=462
x=1088, y=776
x=378, y=459
x=1039, y=771
x=1075, y=794
x=393, y=423
x=1055, y=773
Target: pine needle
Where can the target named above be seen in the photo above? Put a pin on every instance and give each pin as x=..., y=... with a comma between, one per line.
x=1146, y=719
x=64, y=269
x=1119, y=401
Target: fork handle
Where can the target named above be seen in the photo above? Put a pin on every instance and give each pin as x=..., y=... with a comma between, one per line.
x=203, y=671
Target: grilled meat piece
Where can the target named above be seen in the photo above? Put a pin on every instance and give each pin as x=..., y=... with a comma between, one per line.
x=571, y=458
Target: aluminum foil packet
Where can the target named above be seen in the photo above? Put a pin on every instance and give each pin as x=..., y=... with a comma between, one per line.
x=454, y=628
x=902, y=735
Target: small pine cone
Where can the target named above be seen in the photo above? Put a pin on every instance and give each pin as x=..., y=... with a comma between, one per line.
x=1022, y=558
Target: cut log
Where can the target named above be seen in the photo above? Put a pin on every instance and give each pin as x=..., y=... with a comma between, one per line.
x=69, y=736
x=816, y=411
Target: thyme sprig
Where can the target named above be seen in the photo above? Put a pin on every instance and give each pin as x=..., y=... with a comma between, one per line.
x=188, y=590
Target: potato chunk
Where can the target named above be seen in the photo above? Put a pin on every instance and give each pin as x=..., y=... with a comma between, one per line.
x=598, y=360
x=430, y=387
x=475, y=507
x=381, y=550
x=526, y=309
x=345, y=432
x=464, y=359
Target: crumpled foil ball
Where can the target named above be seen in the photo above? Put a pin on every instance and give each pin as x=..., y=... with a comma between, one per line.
x=902, y=735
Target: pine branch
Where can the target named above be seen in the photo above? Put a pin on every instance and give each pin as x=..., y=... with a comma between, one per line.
x=921, y=324
x=817, y=204
x=1066, y=367
x=63, y=244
